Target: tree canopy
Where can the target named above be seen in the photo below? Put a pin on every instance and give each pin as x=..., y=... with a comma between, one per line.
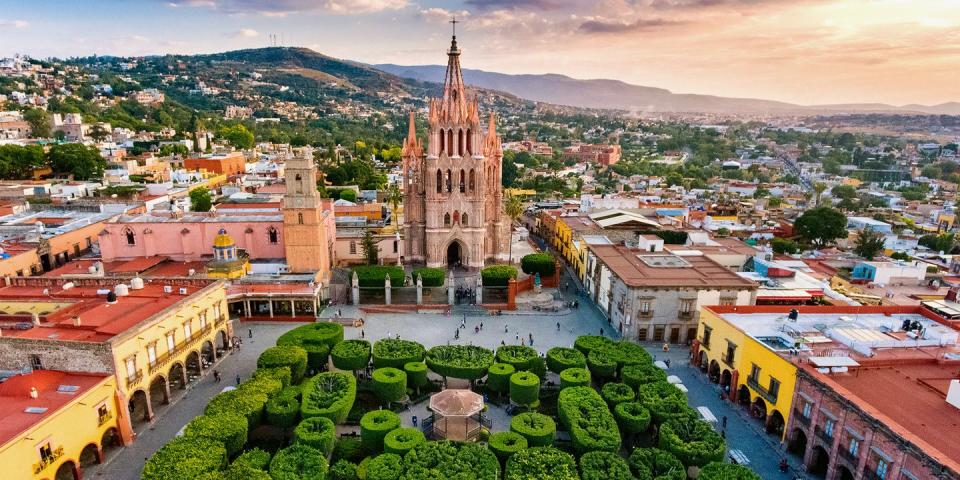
x=821, y=226
x=85, y=163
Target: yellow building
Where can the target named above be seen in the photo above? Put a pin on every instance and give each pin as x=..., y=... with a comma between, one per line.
x=57, y=423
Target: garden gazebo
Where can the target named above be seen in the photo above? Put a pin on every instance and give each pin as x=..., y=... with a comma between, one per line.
x=457, y=415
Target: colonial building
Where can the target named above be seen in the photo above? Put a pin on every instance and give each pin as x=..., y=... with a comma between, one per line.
x=452, y=192
x=308, y=227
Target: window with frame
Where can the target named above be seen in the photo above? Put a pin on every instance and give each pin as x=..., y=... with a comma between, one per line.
x=645, y=308
x=658, y=332
x=216, y=310
x=731, y=352
x=273, y=236
x=171, y=341
x=203, y=319
x=396, y=246
x=707, y=332
x=828, y=427
x=754, y=372
x=131, y=366
x=728, y=301
x=152, y=353
x=686, y=306
x=882, y=468
x=46, y=452
x=642, y=335
x=807, y=410
x=353, y=248
x=35, y=362
x=774, y=388
x=187, y=330
x=854, y=446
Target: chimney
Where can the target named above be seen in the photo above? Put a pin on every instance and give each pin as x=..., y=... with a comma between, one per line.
x=76, y=320
x=34, y=393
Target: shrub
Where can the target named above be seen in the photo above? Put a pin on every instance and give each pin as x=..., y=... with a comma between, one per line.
x=460, y=361
x=642, y=373
x=391, y=352
x=656, y=464
x=250, y=405
x=587, y=343
x=604, y=466
x=632, y=417
x=374, y=426
x=524, y=388
x=497, y=275
x=291, y=356
x=236, y=472
x=726, y=471
x=588, y=419
x=446, y=459
x=349, y=448
x=298, y=462
x=498, y=377
x=541, y=463
x=386, y=466
x=316, y=338
x=541, y=263
x=290, y=392
x=343, y=470
x=329, y=394
x=693, y=442
x=402, y=440
x=521, y=357
x=616, y=393
x=373, y=276
x=575, y=377
x=562, y=358
x=281, y=374
x=351, y=355
x=253, y=458
x=537, y=428
x=316, y=432
x=602, y=364
x=416, y=375
x=263, y=384
x=431, y=277
x=504, y=444
x=282, y=411
x=185, y=457
x=664, y=401
x=389, y=384
x=230, y=429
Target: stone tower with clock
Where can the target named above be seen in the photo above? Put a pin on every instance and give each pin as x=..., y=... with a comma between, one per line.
x=307, y=243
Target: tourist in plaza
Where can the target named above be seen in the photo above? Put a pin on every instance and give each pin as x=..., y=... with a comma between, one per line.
x=238, y=380
x=250, y=332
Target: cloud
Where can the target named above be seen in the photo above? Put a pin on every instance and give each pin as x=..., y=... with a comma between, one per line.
x=439, y=15
x=13, y=24
x=614, y=26
x=279, y=8
x=522, y=4
x=246, y=33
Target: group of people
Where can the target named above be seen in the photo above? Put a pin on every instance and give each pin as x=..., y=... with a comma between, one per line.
x=466, y=293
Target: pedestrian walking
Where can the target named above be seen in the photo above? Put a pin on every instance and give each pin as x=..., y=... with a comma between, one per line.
x=518, y=336
x=667, y=362
x=502, y=343
x=476, y=329
x=506, y=329
x=216, y=376
x=456, y=334
x=481, y=326
x=361, y=333
x=339, y=313
x=389, y=335
x=238, y=380
x=601, y=332
x=250, y=332
x=558, y=326
x=521, y=343
x=723, y=422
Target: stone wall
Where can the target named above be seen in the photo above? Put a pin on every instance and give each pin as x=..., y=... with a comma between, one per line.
x=15, y=354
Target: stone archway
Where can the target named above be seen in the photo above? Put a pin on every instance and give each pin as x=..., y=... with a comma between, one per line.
x=725, y=378
x=159, y=392
x=759, y=409
x=140, y=408
x=844, y=473
x=177, y=377
x=456, y=254
x=207, y=353
x=193, y=365
x=90, y=455
x=109, y=441
x=797, y=444
x=743, y=396
x=819, y=462
x=714, y=371
x=222, y=342
x=703, y=361
x=67, y=471
x=775, y=423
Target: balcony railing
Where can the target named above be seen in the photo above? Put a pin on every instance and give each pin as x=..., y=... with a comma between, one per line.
x=135, y=378
x=220, y=320
x=47, y=461
x=798, y=414
x=101, y=419
x=728, y=359
x=754, y=384
x=195, y=338
x=823, y=435
x=853, y=458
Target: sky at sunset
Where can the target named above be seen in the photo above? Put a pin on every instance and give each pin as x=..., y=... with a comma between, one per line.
x=801, y=51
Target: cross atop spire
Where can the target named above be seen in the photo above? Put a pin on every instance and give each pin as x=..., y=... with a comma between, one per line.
x=454, y=21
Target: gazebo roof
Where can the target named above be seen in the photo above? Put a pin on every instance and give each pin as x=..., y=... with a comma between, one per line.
x=456, y=402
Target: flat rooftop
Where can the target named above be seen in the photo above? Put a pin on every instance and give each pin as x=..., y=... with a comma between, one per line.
x=639, y=268
x=55, y=390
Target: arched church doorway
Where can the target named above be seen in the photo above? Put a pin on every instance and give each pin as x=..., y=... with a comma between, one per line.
x=454, y=255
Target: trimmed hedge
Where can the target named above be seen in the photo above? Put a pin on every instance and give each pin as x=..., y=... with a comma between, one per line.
x=282, y=410
x=230, y=429
x=616, y=393
x=389, y=384
x=263, y=384
x=329, y=394
x=250, y=405
x=402, y=440
x=351, y=355
x=664, y=401
x=236, y=472
x=641, y=374
x=431, y=277
x=524, y=388
x=185, y=457
x=374, y=426
x=416, y=374
x=562, y=358
x=541, y=463
x=498, y=377
x=343, y=470
x=317, y=339
x=386, y=466
x=253, y=458
x=290, y=356
x=541, y=263
x=632, y=417
x=604, y=466
x=298, y=462
x=497, y=275
x=453, y=460
x=587, y=343
x=373, y=276
x=538, y=429
x=656, y=464
x=521, y=357
x=602, y=364
x=460, y=361
x=726, y=471
x=281, y=374
x=592, y=427
x=693, y=442
x=391, y=352
x=316, y=432
x=505, y=444
x=575, y=377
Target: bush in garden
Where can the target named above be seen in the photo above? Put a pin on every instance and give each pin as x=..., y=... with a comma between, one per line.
x=230, y=429
x=504, y=444
x=693, y=442
x=726, y=471
x=250, y=405
x=498, y=377
x=524, y=388
x=467, y=362
x=416, y=375
x=446, y=459
x=575, y=377
x=374, y=426
x=316, y=432
x=391, y=352
x=329, y=394
x=389, y=384
x=632, y=417
x=616, y=393
x=373, y=276
x=562, y=358
x=402, y=440
x=541, y=263
x=253, y=458
x=431, y=277
x=264, y=384
x=602, y=364
x=629, y=353
x=538, y=429
x=541, y=463
x=282, y=410
x=386, y=466
x=351, y=355
x=622, y=353
x=343, y=470
x=185, y=457
x=236, y=472
x=290, y=356
x=316, y=338
x=641, y=374
x=656, y=464
x=591, y=425
x=521, y=357
x=604, y=466
x=281, y=374
x=349, y=448
x=587, y=343
x=298, y=462
x=497, y=275
x=664, y=400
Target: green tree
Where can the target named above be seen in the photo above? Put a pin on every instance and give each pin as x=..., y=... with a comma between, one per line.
x=784, y=245
x=173, y=149
x=39, y=122
x=17, y=162
x=238, y=136
x=370, y=249
x=98, y=133
x=869, y=243
x=85, y=163
x=821, y=225
x=513, y=207
x=818, y=189
x=394, y=198
x=200, y=200
x=509, y=173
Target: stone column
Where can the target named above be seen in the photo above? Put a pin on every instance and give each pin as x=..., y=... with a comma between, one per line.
x=450, y=288
x=293, y=308
x=419, y=290
x=479, y=290
x=246, y=307
x=270, y=304
x=355, y=290
x=386, y=288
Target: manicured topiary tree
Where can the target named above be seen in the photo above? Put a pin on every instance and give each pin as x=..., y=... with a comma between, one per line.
x=317, y=339
x=562, y=358
x=498, y=275
x=541, y=463
x=374, y=426
x=329, y=394
x=250, y=405
x=227, y=428
x=498, y=377
x=504, y=444
x=290, y=356
x=253, y=458
x=185, y=457
x=236, y=472
x=616, y=393
x=446, y=459
x=373, y=276
x=726, y=471
x=537, y=428
x=283, y=410
x=522, y=358
x=316, y=432
x=343, y=470
x=575, y=377
x=389, y=384
x=351, y=355
x=402, y=440
x=590, y=423
x=467, y=362
x=656, y=464
x=632, y=417
x=524, y=388
x=541, y=263
x=386, y=466
x=391, y=352
x=416, y=375
x=604, y=466
x=298, y=462
x=281, y=374
x=641, y=374
x=431, y=277
x=268, y=385
x=693, y=442
x=664, y=401
x=586, y=343
x=602, y=364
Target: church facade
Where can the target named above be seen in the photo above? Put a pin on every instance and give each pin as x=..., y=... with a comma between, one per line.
x=452, y=192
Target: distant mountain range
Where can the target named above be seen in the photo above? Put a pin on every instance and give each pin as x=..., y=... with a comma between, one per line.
x=618, y=95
